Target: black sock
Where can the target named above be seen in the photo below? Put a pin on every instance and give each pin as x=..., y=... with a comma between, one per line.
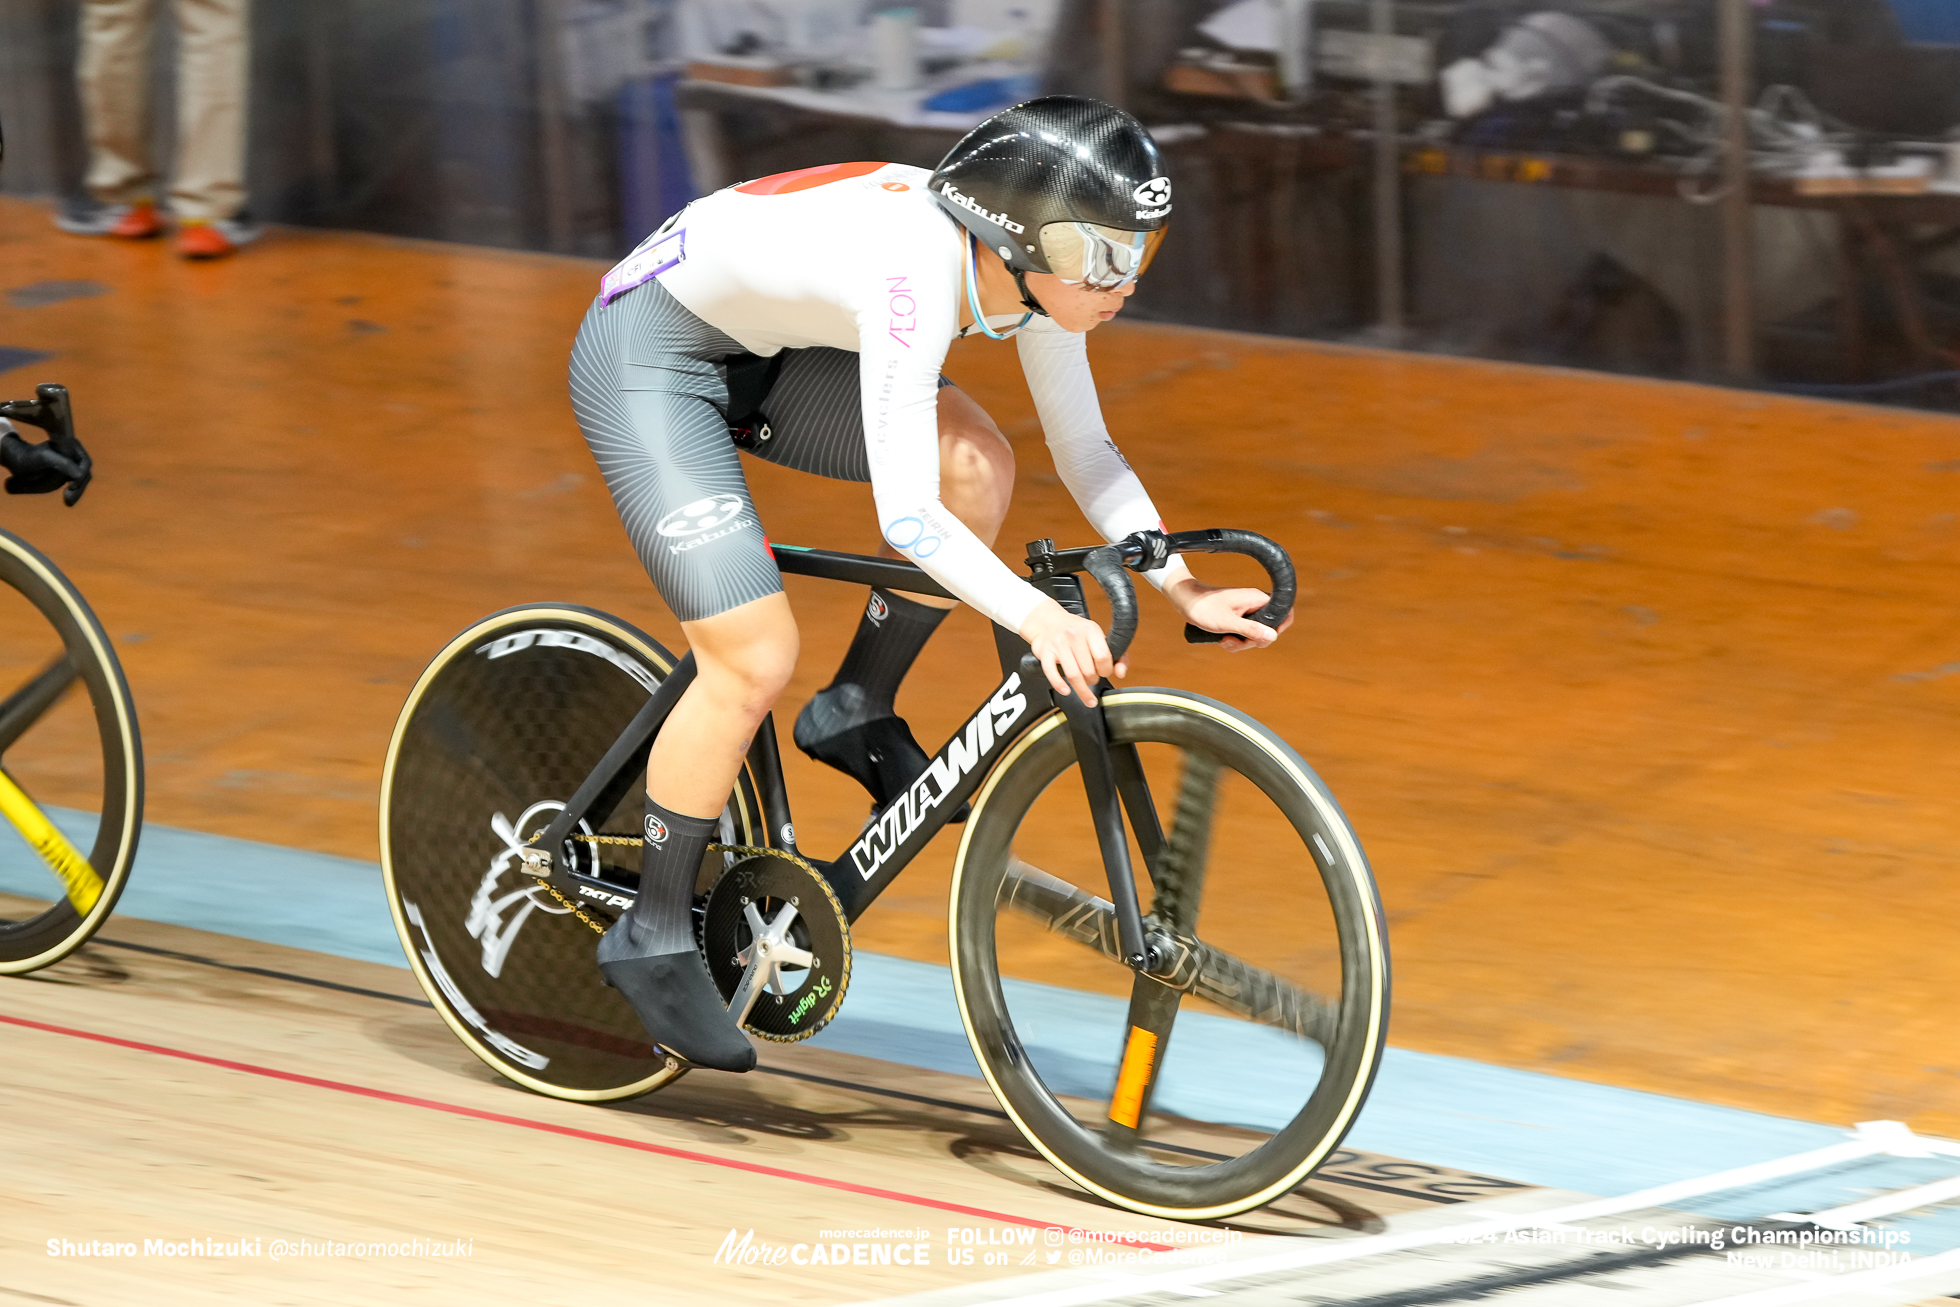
x=663, y=914
x=889, y=637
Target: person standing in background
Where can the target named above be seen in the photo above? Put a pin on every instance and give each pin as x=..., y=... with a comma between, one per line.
x=207, y=183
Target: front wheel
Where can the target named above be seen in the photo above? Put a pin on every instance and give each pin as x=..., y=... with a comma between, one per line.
x=1275, y=972
x=71, y=765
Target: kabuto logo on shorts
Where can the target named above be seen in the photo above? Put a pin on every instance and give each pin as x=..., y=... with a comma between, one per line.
x=656, y=829
x=877, y=610
x=699, y=516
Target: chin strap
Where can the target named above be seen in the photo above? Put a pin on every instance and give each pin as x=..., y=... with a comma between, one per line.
x=1028, y=301
x=973, y=300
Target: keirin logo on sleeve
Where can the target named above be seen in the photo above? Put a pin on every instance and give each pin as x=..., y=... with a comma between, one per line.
x=656, y=829
x=701, y=515
x=693, y=525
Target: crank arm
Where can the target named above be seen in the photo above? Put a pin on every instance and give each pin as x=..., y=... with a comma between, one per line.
x=1188, y=965
x=770, y=948
x=755, y=979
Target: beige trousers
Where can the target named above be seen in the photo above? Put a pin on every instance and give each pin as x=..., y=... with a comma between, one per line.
x=208, y=181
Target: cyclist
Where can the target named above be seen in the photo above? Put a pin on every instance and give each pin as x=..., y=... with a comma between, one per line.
x=805, y=317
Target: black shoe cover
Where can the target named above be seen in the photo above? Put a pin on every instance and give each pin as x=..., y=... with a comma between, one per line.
x=676, y=1000
x=881, y=754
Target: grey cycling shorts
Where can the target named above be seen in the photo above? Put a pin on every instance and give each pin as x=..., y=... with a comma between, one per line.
x=650, y=390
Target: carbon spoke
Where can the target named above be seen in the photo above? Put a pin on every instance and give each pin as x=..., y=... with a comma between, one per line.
x=26, y=705
x=1061, y=907
x=1195, y=966
x=1134, y=787
x=81, y=884
x=1180, y=890
x=1153, y=1010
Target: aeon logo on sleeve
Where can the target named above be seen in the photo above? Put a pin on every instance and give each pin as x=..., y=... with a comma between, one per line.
x=903, y=309
x=695, y=524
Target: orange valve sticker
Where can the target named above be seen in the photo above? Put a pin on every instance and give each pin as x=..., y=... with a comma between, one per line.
x=1139, y=1058
x=83, y=886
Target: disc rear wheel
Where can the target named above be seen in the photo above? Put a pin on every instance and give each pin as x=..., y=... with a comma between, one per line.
x=494, y=739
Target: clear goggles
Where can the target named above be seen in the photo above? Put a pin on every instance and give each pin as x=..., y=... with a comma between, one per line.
x=1101, y=258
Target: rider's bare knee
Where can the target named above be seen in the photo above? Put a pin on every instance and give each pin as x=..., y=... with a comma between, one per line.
x=752, y=674
x=975, y=456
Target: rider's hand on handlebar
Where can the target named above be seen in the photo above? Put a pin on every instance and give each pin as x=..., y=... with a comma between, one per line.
x=1071, y=650
x=1225, y=611
x=39, y=468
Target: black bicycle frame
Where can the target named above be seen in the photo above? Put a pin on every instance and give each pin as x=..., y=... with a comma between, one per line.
x=899, y=830
x=1112, y=777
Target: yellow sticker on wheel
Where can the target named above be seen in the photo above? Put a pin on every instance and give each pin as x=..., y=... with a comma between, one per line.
x=83, y=886
x=1139, y=1057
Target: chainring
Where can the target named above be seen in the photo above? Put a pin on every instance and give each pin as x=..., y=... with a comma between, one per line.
x=807, y=964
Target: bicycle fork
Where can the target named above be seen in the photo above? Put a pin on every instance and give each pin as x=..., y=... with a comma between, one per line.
x=1095, y=758
x=1112, y=778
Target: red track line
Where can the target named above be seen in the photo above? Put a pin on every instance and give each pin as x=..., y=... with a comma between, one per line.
x=591, y=1136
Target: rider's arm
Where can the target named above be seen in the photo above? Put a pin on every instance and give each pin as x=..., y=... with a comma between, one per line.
x=900, y=354
x=1056, y=363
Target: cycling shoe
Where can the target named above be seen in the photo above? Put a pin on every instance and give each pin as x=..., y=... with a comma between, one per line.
x=880, y=754
x=676, y=1000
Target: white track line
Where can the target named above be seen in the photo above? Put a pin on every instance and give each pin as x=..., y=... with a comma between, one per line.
x=1834, y=1285
x=1346, y=1250
x=1904, y=1200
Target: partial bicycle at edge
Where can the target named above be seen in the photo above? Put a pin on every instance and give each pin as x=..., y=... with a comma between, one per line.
x=71, y=757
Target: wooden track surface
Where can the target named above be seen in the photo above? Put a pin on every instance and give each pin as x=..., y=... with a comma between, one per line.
x=1642, y=696
x=177, y=1085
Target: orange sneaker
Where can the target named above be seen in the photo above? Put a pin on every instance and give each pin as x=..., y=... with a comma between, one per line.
x=198, y=239
x=132, y=222
x=202, y=240
x=140, y=223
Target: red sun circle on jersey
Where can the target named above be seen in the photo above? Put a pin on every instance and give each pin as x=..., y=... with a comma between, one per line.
x=895, y=186
x=802, y=179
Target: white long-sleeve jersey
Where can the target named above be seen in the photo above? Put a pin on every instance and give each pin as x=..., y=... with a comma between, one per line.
x=860, y=257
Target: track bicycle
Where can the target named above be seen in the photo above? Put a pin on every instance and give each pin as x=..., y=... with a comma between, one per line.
x=71, y=759
x=509, y=814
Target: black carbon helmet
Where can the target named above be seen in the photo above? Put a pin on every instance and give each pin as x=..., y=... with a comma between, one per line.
x=1060, y=159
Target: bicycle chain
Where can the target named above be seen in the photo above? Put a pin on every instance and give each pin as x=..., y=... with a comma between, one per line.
x=746, y=850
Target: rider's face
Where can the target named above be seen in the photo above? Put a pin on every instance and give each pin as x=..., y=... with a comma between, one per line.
x=1075, y=307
